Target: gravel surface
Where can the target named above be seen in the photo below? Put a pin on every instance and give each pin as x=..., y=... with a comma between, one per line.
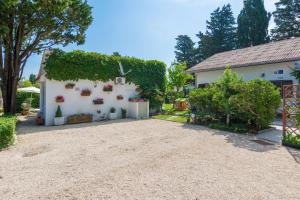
x=149, y=159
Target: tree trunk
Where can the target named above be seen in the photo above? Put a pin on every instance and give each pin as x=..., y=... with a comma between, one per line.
x=227, y=119
x=9, y=94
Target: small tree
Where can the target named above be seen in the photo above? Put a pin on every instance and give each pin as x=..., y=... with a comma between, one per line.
x=177, y=77
x=227, y=85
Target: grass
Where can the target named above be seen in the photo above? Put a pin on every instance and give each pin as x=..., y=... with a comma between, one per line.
x=170, y=114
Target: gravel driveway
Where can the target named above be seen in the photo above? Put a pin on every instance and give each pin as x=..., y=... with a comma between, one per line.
x=148, y=159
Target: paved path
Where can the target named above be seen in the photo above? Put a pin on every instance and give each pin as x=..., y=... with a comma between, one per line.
x=148, y=159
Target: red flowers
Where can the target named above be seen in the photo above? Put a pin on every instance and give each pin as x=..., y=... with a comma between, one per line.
x=108, y=88
x=60, y=99
x=98, y=101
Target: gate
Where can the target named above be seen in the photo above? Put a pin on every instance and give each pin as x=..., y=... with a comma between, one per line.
x=291, y=109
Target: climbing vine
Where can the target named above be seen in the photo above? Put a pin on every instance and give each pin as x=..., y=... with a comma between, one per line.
x=72, y=66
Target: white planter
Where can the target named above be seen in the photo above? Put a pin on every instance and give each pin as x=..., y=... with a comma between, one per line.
x=58, y=121
x=113, y=115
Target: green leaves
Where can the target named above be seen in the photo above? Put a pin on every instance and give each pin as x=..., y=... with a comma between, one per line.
x=253, y=103
x=75, y=65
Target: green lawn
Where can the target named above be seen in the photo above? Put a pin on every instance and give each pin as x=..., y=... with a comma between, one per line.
x=170, y=114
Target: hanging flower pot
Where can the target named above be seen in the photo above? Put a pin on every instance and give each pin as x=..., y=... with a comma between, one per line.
x=86, y=92
x=108, y=88
x=98, y=101
x=60, y=99
x=120, y=97
x=69, y=85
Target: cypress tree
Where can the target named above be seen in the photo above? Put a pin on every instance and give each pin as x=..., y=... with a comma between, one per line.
x=253, y=23
x=287, y=19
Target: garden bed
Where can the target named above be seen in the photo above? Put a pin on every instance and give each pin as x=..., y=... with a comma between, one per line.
x=80, y=118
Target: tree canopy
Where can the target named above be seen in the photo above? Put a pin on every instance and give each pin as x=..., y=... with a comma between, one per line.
x=253, y=23
x=31, y=26
x=220, y=33
x=287, y=19
x=185, y=51
x=177, y=77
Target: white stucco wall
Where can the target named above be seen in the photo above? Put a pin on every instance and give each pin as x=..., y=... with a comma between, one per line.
x=249, y=73
x=75, y=103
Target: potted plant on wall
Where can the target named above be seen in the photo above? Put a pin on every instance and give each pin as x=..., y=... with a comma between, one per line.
x=69, y=85
x=59, y=119
x=108, y=88
x=60, y=99
x=113, y=114
x=98, y=101
x=86, y=92
x=120, y=97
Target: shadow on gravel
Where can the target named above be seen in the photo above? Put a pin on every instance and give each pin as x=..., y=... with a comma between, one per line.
x=27, y=125
x=295, y=153
x=237, y=140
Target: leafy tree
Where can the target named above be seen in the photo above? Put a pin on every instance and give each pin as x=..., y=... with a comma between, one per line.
x=287, y=19
x=177, y=76
x=26, y=83
x=185, y=51
x=32, y=79
x=253, y=23
x=227, y=85
x=220, y=35
x=31, y=26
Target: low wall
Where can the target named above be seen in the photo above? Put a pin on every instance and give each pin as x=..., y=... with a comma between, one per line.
x=75, y=103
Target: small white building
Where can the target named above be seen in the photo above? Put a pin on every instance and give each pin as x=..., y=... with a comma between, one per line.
x=76, y=103
x=273, y=61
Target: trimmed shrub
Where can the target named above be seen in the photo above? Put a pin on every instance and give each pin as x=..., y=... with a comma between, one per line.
x=25, y=97
x=7, y=131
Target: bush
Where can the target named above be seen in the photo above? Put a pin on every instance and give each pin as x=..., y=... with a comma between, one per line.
x=256, y=103
x=291, y=140
x=231, y=100
x=25, y=97
x=7, y=131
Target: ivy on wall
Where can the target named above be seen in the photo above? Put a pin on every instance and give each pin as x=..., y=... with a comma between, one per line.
x=72, y=66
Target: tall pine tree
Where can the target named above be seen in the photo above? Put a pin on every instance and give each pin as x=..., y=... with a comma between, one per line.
x=220, y=33
x=253, y=23
x=185, y=51
x=287, y=19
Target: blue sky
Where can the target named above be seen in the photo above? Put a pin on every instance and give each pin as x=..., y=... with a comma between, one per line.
x=145, y=28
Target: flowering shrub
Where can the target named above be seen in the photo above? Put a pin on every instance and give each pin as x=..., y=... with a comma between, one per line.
x=98, y=101
x=108, y=88
x=60, y=99
x=86, y=92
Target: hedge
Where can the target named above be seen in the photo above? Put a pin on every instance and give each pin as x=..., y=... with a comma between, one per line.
x=148, y=75
x=23, y=97
x=7, y=131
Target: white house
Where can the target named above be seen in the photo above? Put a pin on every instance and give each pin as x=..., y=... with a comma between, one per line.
x=74, y=103
x=273, y=61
